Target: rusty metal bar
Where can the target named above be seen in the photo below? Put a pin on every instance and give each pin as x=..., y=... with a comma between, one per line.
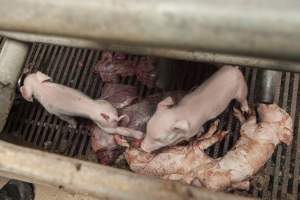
x=96, y=180
x=257, y=28
x=160, y=52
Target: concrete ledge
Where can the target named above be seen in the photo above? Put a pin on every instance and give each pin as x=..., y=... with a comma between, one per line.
x=12, y=57
x=93, y=179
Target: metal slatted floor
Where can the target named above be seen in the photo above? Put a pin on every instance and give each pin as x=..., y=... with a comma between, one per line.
x=73, y=67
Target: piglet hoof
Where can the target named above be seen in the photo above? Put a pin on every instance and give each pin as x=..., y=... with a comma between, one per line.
x=215, y=124
x=239, y=115
x=245, y=109
x=120, y=140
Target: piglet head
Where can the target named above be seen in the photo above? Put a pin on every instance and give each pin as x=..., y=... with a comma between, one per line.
x=29, y=82
x=163, y=129
x=272, y=113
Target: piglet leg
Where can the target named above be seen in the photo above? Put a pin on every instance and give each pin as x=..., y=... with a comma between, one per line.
x=125, y=132
x=204, y=144
x=121, y=141
x=239, y=115
x=72, y=122
x=212, y=129
x=245, y=107
x=244, y=185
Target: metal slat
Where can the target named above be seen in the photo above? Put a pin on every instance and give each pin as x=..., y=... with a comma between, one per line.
x=266, y=194
x=295, y=182
x=286, y=166
x=280, y=147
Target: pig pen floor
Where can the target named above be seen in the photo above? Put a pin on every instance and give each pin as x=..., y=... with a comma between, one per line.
x=30, y=125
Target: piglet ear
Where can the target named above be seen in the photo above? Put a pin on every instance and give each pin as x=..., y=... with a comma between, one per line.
x=26, y=94
x=124, y=119
x=181, y=126
x=286, y=136
x=165, y=103
x=105, y=116
x=42, y=77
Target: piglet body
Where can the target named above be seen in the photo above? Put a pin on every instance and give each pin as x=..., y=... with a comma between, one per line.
x=171, y=125
x=66, y=103
x=190, y=164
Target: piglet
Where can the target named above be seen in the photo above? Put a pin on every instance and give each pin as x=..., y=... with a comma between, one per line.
x=190, y=164
x=172, y=124
x=65, y=103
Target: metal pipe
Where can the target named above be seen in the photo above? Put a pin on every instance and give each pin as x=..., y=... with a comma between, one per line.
x=255, y=28
x=266, y=86
x=160, y=52
x=12, y=58
x=93, y=179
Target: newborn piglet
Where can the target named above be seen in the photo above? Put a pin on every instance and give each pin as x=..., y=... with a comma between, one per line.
x=172, y=123
x=190, y=164
x=252, y=150
x=171, y=162
x=66, y=103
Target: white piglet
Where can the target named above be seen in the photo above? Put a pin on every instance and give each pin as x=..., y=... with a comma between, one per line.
x=172, y=124
x=66, y=103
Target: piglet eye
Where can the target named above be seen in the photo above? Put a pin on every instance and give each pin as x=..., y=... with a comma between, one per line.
x=105, y=116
